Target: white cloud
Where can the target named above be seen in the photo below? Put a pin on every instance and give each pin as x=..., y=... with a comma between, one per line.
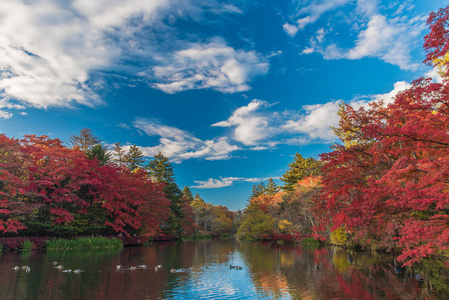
x=179, y=145
x=5, y=115
x=433, y=73
x=250, y=127
x=318, y=118
x=213, y=183
x=311, y=13
x=390, y=38
x=55, y=53
x=214, y=65
x=316, y=121
x=290, y=29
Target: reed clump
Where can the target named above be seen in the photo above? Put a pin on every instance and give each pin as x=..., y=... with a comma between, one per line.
x=84, y=243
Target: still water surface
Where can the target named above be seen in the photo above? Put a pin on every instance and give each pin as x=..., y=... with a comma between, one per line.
x=203, y=272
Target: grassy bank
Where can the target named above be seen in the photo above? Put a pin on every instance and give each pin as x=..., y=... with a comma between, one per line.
x=84, y=243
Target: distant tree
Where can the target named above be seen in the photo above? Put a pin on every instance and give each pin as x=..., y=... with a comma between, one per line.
x=119, y=154
x=134, y=158
x=99, y=152
x=299, y=169
x=258, y=189
x=187, y=193
x=272, y=188
x=84, y=140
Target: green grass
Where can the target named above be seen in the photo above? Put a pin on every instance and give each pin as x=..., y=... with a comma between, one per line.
x=2, y=249
x=311, y=242
x=84, y=243
x=27, y=246
x=225, y=236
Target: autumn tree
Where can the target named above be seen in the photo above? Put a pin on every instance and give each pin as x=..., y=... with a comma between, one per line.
x=134, y=158
x=299, y=169
x=84, y=140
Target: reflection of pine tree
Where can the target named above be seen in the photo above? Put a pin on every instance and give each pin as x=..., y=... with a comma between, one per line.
x=161, y=169
x=84, y=140
x=299, y=169
x=134, y=158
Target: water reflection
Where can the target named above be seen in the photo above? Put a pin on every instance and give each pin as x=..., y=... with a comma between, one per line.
x=203, y=272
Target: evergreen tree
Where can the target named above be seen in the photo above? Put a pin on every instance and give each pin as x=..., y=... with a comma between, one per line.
x=272, y=188
x=100, y=153
x=119, y=154
x=299, y=169
x=134, y=158
x=258, y=189
x=84, y=140
x=187, y=193
x=161, y=170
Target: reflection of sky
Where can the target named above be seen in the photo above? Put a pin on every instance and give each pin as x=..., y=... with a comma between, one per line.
x=219, y=282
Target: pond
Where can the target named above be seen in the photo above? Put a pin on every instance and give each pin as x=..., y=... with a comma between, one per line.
x=201, y=270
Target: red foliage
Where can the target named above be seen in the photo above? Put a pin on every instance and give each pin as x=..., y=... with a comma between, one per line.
x=392, y=185
x=38, y=173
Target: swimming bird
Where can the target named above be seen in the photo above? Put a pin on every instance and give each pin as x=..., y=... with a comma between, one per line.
x=156, y=269
x=60, y=267
x=26, y=268
x=231, y=267
x=55, y=263
x=16, y=268
x=142, y=266
x=172, y=270
x=159, y=266
x=132, y=268
x=239, y=268
x=67, y=271
x=118, y=267
x=78, y=271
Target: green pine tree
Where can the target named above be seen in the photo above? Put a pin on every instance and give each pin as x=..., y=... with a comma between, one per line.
x=134, y=158
x=100, y=153
x=272, y=188
x=161, y=170
x=258, y=189
x=299, y=169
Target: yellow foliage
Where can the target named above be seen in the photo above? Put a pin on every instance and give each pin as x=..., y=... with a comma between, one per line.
x=338, y=236
x=441, y=64
x=285, y=226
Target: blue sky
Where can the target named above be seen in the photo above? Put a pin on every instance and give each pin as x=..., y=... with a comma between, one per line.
x=228, y=90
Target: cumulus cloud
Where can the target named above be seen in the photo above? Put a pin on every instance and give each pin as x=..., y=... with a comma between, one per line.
x=318, y=118
x=179, y=145
x=56, y=53
x=251, y=127
x=214, y=65
x=213, y=183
